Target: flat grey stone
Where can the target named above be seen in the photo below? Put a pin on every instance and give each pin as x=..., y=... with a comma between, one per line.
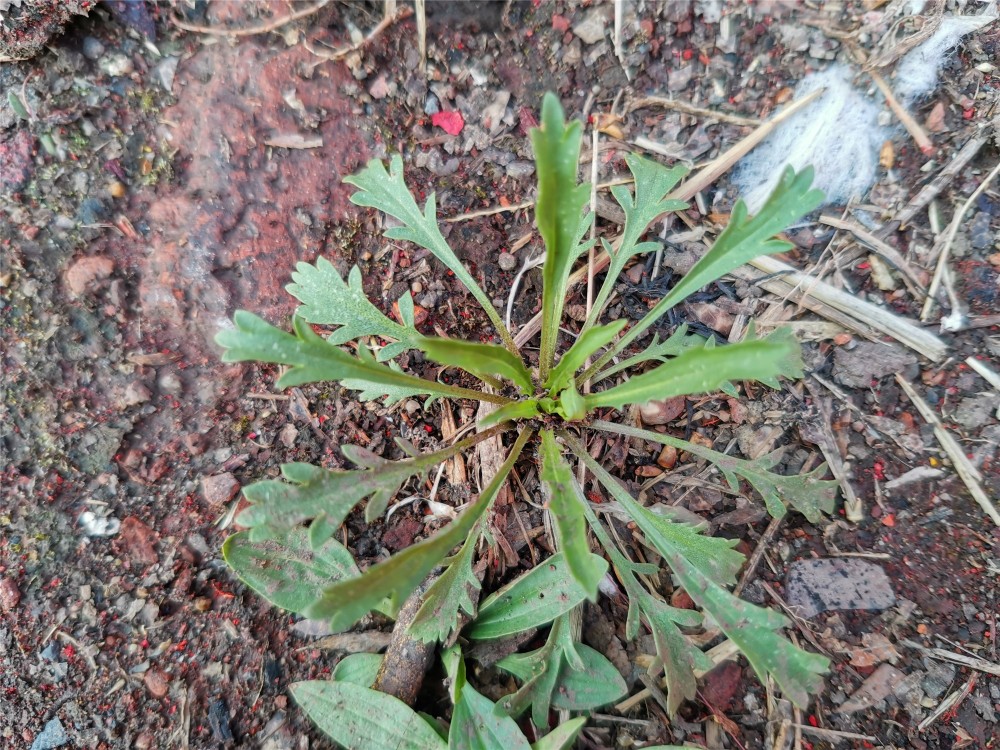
x=52, y=736
x=815, y=586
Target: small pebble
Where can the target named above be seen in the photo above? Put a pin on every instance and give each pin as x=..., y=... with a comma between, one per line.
x=416, y=287
x=92, y=48
x=10, y=596
x=157, y=683
x=117, y=190
x=507, y=262
x=117, y=65
x=220, y=488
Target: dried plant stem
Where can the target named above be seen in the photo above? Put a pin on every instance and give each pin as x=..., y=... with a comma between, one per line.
x=968, y=473
x=923, y=142
x=421, y=9
x=690, y=109
x=939, y=183
x=252, y=30
x=888, y=252
x=343, y=52
x=943, y=248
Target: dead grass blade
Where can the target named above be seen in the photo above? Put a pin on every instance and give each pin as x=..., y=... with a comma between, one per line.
x=966, y=471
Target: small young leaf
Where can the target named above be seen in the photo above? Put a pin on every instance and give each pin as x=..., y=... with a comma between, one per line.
x=588, y=343
x=527, y=409
x=479, y=359
x=392, y=580
x=743, y=239
x=475, y=723
x=358, y=669
x=364, y=719
x=561, y=674
x=387, y=192
x=288, y=573
x=313, y=359
x=328, y=300
x=558, y=210
x=537, y=597
x=704, y=370
x=448, y=597
x=571, y=405
x=653, y=182
x=807, y=493
x=562, y=737
x=564, y=503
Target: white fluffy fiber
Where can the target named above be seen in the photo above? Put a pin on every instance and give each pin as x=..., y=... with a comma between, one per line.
x=839, y=134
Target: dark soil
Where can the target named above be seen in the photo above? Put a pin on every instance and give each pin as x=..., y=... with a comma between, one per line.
x=143, y=205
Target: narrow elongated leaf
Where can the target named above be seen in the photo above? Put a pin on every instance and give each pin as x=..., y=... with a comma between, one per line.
x=288, y=572
x=753, y=629
x=562, y=737
x=363, y=719
x=358, y=669
x=312, y=359
x=808, y=493
x=678, y=657
x=713, y=556
x=705, y=370
x=558, y=210
x=660, y=351
x=653, y=182
x=449, y=596
x=392, y=580
x=743, y=239
x=564, y=502
x=312, y=492
x=534, y=599
x=588, y=343
x=327, y=299
x=526, y=409
x=475, y=722
x=479, y=359
x=387, y=192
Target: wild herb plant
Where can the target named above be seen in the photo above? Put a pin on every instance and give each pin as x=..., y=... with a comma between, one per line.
x=544, y=413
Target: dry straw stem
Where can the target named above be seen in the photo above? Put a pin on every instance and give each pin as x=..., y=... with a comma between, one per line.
x=987, y=374
x=932, y=189
x=850, y=311
x=886, y=251
x=690, y=109
x=943, y=247
x=718, y=654
x=972, y=662
x=968, y=473
x=912, y=126
x=343, y=52
x=711, y=172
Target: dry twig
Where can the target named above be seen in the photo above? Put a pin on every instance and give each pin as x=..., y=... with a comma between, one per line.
x=912, y=126
x=343, y=52
x=252, y=30
x=968, y=473
x=690, y=109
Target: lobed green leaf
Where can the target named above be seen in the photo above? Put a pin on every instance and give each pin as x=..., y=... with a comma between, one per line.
x=387, y=192
x=312, y=359
x=586, y=344
x=449, y=596
x=392, y=580
x=328, y=300
x=807, y=493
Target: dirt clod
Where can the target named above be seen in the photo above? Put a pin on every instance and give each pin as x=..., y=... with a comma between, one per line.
x=219, y=489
